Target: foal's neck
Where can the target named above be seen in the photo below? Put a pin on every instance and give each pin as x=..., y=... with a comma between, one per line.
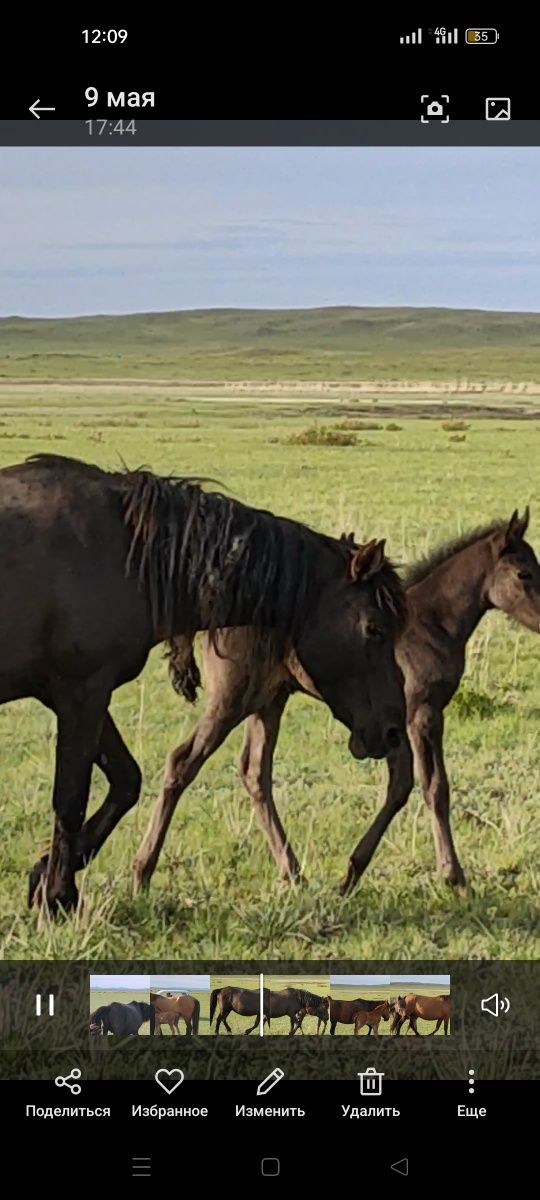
x=456, y=591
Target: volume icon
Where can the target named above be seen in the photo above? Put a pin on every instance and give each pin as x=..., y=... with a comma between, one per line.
x=495, y=1004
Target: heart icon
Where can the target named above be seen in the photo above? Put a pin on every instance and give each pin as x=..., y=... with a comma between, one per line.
x=162, y=1076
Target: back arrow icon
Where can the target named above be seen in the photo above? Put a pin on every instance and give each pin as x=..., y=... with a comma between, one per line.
x=35, y=110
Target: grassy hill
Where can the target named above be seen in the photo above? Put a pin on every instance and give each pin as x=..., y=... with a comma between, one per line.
x=260, y=344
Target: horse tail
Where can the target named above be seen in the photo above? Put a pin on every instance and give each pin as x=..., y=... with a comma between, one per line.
x=213, y=1001
x=196, y=1015
x=184, y=673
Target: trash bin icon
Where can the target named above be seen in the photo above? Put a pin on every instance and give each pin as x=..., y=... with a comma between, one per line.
x=371, y=1082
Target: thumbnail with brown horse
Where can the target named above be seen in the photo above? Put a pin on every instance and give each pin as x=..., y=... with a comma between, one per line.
x=124, y=1020
x=448, y=593
x=246, y=1002
x=128, y=559
x=169, y=1009
x=372, y=1018
x=296, y=1004
x=429, y=1008
x=344, y=1012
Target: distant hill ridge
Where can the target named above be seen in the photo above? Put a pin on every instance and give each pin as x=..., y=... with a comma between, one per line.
x=316, y=343
x=342, y=327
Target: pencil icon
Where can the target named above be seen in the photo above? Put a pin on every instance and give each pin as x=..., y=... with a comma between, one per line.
x=270, y=1081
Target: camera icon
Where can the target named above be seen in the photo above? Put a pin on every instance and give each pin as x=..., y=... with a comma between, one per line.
x=434, y=109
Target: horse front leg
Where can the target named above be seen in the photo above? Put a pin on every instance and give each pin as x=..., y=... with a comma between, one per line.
x=124, y=777
x=400, y=784
x=80, y=713
x=255, y=769
x=427, y=732
x=183, y=764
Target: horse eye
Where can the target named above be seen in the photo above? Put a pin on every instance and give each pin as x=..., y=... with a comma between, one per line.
x=525, y=575
x=373, y=630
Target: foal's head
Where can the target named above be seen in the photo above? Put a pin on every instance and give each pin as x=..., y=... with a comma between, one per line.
x=347, y=649
x=513, y=584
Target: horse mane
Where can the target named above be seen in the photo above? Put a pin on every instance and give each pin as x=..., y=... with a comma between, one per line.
x=417, y=572
x=207, y=555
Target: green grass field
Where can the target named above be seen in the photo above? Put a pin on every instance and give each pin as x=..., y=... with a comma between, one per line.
x=372, y=992
x=99, y=996
x=215, y=893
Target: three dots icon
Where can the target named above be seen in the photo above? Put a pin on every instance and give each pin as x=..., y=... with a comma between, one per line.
x=471, y=1081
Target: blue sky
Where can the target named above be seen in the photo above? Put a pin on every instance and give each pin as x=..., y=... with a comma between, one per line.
x=124, y=229
x=113, y=983
x=180, y=983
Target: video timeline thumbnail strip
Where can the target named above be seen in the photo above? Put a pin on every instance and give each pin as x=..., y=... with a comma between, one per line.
x=270, y=1005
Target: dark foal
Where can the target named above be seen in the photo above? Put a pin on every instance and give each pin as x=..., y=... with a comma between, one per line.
x=257, y=675
x=448, y=593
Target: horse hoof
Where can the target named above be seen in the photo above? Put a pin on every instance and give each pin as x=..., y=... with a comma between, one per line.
x=140, y=882
x=36, y=882
x=41, y=896
x=350, y=881
x=455, y=878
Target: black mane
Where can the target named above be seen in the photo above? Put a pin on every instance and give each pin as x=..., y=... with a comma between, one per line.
x=210, y=556
x=213, y=558
x=418, y=571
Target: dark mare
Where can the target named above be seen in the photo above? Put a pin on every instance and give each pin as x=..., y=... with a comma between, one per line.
x=344, y=1012
x=246, y=1002
x=296, y=1003
x=122, y=1019
x=448, y=593
x=98, y=567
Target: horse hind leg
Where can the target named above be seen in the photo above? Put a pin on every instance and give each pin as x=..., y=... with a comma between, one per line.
x=183, y=765
x=255, y=770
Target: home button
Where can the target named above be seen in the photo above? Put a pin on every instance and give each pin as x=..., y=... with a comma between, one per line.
x=270, y=1166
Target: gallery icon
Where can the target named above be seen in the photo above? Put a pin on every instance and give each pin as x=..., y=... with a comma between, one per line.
x=371, y=1082
x=498, y=108
x=434, y=108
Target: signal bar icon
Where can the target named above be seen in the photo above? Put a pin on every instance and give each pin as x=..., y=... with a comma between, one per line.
x=411, y=39
x=446, y=37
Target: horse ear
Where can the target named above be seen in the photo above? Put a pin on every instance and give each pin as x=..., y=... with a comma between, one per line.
x=516, y=528
x=366, y=560
x=350, y=538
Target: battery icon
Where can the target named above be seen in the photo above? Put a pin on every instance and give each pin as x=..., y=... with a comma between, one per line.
x=481, y=37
